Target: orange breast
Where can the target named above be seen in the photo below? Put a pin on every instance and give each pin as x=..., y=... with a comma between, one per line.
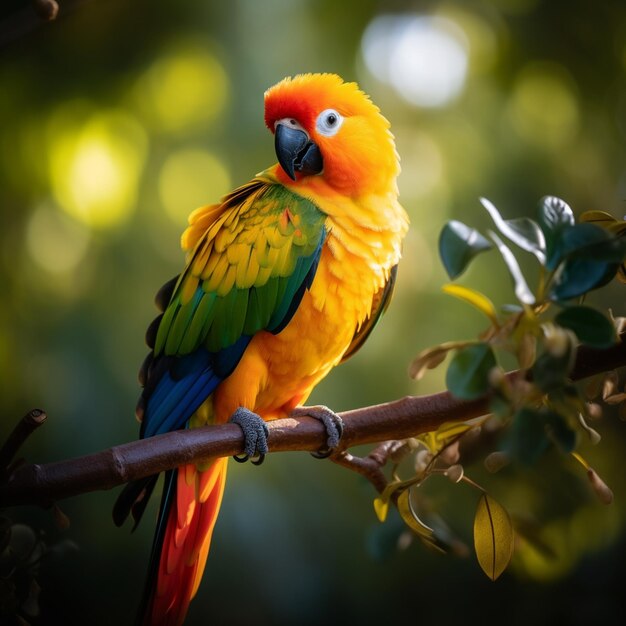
x=278, y=372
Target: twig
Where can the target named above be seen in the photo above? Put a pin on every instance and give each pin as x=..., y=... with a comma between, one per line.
x=368, y=466
x=371, y=466
x=23, y=429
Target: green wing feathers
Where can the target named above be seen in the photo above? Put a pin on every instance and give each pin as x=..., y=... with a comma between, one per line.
x=244, y=271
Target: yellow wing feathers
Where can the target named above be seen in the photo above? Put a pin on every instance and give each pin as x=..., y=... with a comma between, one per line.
x=245, y=271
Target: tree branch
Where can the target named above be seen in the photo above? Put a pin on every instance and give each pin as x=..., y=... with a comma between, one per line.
x=407, y=417
x=24, y=428
x=370, y=466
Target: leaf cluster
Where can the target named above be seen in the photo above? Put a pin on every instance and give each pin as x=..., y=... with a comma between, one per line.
x=537, y=407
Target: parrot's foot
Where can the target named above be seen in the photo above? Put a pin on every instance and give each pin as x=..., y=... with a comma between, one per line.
x=255, y=433
x=332, y=422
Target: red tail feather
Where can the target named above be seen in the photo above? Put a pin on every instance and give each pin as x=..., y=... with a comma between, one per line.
x=190, y=523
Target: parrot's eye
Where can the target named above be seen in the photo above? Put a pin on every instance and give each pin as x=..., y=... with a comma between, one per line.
x=328, y=122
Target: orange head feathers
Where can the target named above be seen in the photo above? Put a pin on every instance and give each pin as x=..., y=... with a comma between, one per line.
x=329, y=128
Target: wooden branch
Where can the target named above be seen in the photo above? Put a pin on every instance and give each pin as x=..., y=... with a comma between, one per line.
x=407, y=417
x=24, y=428
x=370, y=466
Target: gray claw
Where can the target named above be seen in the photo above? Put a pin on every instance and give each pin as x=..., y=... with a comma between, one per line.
x=332, y=423
x=255, y=434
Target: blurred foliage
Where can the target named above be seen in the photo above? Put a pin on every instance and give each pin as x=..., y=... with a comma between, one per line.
x=539, y=406
x=119, y=118
x=24, y=552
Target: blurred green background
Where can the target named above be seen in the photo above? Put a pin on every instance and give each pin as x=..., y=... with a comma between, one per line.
x=120, y=118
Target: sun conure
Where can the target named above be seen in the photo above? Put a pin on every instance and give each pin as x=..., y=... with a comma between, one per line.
x=285, y=278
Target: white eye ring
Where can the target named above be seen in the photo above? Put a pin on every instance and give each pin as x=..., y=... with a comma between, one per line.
x=328, y=122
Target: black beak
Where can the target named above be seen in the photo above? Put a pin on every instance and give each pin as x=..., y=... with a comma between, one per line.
x=296, y=152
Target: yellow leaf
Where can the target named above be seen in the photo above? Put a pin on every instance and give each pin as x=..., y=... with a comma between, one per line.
x=405, y=508
x=605, y=220
x=450, y=430
x=493, y=536
x=381, y=507
x=581, y=460
x=475, y=298
x=597, y=217
x=381, y=504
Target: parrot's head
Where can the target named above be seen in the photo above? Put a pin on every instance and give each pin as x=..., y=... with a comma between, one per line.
x=325, y=127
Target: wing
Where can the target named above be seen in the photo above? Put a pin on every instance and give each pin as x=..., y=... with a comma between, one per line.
x=248, y=271
x=379, y=305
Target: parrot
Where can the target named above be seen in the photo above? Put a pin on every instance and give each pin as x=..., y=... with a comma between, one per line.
x=285, y=278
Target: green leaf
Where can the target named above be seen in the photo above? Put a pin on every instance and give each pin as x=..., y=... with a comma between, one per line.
x=580, y=236
x=581, y=241
x=589, y=267
x=617, y=227
x=560, y=432
x=550, y=372
x=522, y=291
x=579, y=276
x=590, y=326
x=458, y=245
x=527, y=439
x=554, y=214
x=493, y=536
x=569, y=239
x=468, y=374
x=588, y=241
x=523, y=232
x=499, y=405
x=590, y=257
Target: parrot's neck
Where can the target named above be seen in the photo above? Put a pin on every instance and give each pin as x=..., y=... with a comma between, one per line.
x=375, y=208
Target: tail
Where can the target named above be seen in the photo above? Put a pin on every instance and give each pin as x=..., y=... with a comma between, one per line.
x=189, y=508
